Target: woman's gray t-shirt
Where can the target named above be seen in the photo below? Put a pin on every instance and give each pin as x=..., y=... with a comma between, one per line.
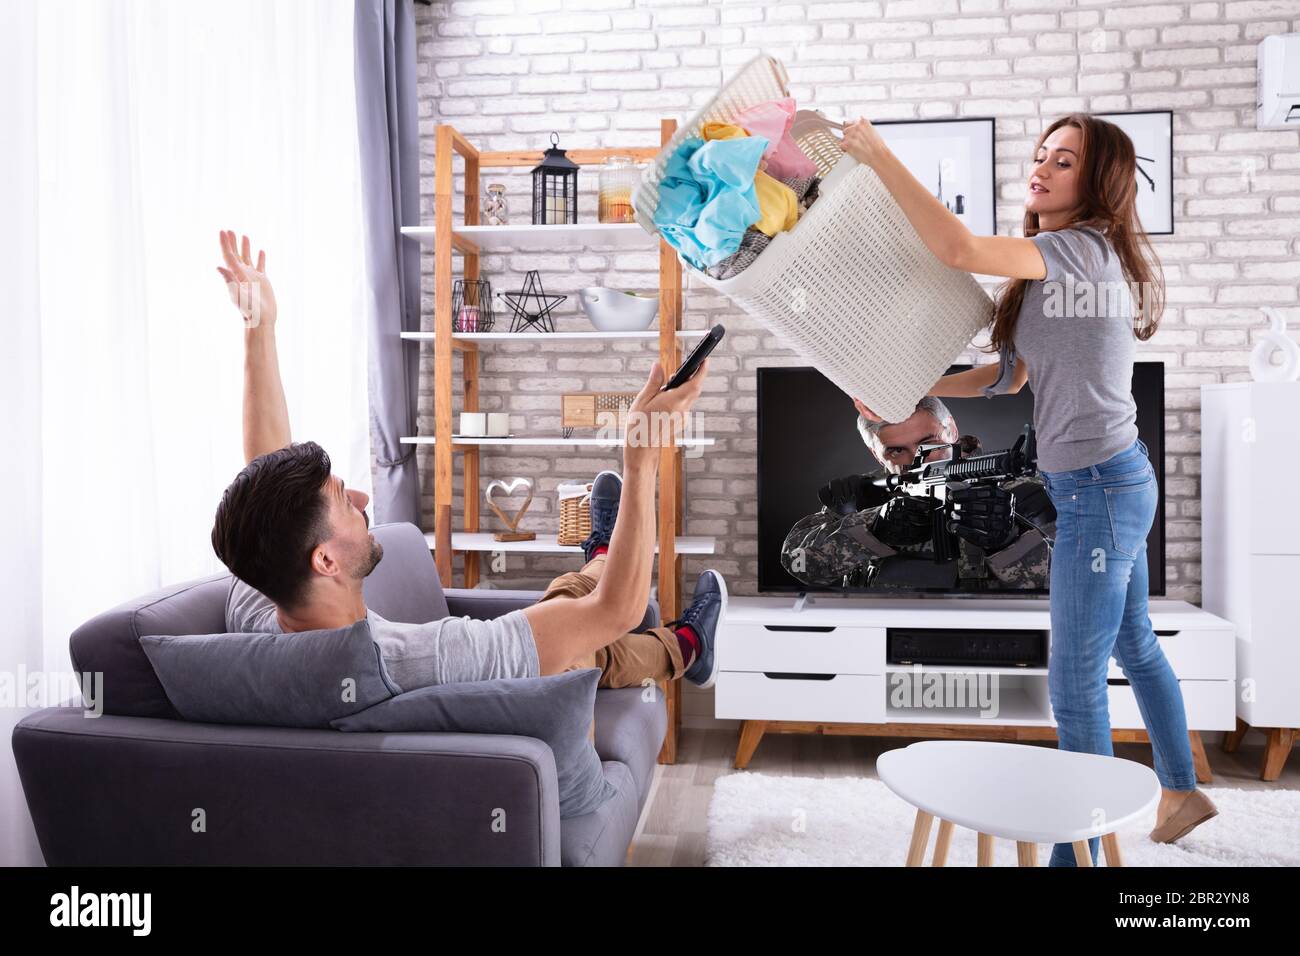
x=1075, y=332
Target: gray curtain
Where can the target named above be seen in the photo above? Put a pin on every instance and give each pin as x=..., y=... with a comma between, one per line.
x=388, y=128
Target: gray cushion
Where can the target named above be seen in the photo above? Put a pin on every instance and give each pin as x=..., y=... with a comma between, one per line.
x=556, y=709
x=403, y=587
x=109, y=643
x=304, y=679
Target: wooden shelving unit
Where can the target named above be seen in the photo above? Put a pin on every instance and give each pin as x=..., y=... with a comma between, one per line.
x=469, y=240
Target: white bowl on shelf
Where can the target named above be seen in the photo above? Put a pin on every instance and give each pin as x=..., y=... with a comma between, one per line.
x=613, y=311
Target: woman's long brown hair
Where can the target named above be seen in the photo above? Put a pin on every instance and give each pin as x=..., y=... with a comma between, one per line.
x=1107, y=202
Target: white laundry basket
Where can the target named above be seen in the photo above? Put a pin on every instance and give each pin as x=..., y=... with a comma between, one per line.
x=851, y=287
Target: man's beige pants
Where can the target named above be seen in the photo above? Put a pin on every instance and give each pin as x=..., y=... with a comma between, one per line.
x=635, y=658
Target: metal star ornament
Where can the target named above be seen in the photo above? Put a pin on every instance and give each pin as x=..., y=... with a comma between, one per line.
x=531, y=305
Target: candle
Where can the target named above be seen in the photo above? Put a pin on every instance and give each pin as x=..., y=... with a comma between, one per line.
x=556, y=211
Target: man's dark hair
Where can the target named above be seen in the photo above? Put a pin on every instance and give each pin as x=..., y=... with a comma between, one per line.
x=271, y=517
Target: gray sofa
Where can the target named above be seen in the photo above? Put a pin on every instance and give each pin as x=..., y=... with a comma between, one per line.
x=133, y=786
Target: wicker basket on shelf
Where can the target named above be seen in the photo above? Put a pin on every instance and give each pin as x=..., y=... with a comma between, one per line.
x=575, y=513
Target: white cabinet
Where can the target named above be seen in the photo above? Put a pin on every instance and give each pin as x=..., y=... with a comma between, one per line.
x=775, y=695
x=828, y=649
x=1208, y=704
x=1250, y=539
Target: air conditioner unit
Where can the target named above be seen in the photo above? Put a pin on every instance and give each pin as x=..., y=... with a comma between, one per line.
x=1278, y=99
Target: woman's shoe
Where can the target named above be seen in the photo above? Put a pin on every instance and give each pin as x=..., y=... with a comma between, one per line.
x=1194, y=810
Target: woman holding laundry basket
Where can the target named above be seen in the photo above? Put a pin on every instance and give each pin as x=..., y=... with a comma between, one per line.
x=1076, y=351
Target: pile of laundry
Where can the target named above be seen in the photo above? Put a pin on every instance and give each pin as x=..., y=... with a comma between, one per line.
x=727, y=192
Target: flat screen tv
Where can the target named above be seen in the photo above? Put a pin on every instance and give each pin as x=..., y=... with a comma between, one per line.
x=808, y=436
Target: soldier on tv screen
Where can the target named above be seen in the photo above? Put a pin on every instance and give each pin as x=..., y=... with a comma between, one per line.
x=865, y=536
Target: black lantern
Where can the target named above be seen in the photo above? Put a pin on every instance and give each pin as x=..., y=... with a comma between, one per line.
x=555, y=187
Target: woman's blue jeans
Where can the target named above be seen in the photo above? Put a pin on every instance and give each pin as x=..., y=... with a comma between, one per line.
x=1099, y=608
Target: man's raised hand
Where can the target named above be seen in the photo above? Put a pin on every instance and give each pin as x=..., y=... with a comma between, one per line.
x=656, y=418
x=249, y=288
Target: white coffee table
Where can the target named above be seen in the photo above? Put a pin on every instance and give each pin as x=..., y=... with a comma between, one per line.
x=1017, y=792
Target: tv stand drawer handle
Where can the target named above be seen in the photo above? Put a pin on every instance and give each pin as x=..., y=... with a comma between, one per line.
x=800, y=628
x=783, y=675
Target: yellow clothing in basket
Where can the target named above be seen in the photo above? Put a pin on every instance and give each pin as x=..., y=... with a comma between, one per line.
x=778, y=207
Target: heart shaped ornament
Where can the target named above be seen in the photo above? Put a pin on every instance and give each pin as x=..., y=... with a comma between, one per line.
x=510, y=488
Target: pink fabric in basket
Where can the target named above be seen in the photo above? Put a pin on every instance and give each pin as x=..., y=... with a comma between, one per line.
x=772, y=120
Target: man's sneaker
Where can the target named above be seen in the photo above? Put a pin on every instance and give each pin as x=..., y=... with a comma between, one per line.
x=606, y=490
x=703, y=617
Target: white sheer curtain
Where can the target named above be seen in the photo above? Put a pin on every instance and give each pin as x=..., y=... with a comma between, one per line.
x=140, y=130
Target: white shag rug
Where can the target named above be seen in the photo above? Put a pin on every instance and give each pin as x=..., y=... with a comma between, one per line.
x=762, y=820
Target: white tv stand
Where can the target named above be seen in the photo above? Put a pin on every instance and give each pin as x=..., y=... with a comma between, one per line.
x=819, y=665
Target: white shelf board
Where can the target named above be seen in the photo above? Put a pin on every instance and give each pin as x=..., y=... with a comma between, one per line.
x=546, y=543
x=652, y=334
x=1015, y=708
x=592, y=235
x=596, y=442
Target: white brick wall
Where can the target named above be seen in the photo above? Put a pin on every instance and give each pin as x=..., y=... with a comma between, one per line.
x=603, y=73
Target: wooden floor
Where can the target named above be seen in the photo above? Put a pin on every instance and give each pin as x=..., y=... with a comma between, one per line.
x=675, y=822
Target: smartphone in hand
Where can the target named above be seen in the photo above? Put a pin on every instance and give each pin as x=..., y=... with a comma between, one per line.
x=698, y=355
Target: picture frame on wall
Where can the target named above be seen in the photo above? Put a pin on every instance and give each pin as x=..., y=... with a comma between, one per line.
x=953, y=158
x=1152, y=133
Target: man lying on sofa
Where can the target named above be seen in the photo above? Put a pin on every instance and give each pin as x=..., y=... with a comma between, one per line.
x=297, y=541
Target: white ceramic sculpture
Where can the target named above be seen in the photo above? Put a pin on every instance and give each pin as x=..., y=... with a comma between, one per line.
x=1262, y=368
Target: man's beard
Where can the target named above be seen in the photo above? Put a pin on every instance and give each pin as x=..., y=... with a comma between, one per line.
x=367, y=563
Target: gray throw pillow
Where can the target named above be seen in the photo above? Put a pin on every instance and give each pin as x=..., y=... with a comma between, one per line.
x=557, y=710
x=303, y=679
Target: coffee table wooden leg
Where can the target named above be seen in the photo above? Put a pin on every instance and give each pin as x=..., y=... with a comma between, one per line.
x=1082, y=855
x=1027, y=853
x=942, y=842
x=1110, y=846
x=985, y=850
x=920, y=837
